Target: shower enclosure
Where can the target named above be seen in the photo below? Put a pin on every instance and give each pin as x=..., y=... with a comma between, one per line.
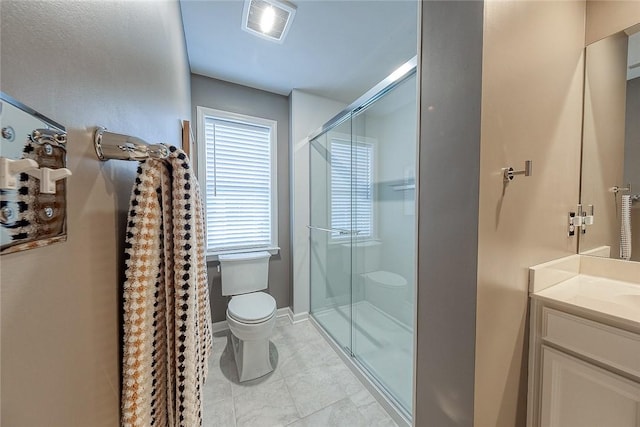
x=363, y=233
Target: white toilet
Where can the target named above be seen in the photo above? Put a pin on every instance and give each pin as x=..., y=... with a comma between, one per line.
x=383, y=289
x=386, y=290
x=251, y=314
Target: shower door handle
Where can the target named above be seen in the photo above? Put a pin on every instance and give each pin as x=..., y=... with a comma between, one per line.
x=340, y=231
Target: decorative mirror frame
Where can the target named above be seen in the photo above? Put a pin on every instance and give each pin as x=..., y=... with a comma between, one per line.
x=32, y=216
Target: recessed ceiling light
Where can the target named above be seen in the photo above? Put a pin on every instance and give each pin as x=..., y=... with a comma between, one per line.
x=268, y=19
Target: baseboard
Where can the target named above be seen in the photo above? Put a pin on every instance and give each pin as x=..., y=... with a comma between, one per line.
x=297, y=317
x=219, y=326
x=281, y=312
x=224, y=326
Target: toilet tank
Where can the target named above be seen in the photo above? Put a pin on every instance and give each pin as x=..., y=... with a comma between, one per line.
x=244, y=273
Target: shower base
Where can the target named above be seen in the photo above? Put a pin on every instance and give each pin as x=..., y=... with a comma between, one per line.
x=383, y=348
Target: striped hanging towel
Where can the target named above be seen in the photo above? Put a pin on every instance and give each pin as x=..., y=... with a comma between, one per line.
x=625, y=228
x=167, y=318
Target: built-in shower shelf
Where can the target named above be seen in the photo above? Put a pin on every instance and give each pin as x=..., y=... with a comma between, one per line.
x=403, y=187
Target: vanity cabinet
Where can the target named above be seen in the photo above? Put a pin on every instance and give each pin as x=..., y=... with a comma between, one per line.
x=580, y=394
x=584, y=370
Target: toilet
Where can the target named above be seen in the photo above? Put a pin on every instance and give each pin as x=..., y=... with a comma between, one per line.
x=251, y=313
x=383, y=289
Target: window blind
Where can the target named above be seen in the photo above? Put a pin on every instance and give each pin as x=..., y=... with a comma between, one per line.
x=351, y=188
x=238, y=185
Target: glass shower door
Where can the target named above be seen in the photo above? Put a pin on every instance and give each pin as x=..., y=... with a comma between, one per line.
x=363, y=236
x=383, y=249
x=330, y=236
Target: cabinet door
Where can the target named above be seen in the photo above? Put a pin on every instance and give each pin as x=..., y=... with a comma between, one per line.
x=578, y=394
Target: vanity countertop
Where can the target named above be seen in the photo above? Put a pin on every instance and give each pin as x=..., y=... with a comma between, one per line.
x=603, y=297
x=595, y=295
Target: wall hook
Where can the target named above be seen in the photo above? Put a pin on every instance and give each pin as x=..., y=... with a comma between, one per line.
x=615, y=189
x=509, y=173
x=48, y=178
x=10, y=169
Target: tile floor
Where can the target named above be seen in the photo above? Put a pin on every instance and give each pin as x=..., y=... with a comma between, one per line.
x=377, y=339
x=310, y=386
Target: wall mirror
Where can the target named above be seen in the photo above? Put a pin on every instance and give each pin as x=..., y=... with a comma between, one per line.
x=611, y=147
x=32, y=178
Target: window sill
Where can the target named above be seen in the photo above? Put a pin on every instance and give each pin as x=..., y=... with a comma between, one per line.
x=213, y=256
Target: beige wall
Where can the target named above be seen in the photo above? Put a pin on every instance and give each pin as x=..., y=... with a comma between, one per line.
x=604, y=139
x=531, y=110
x=610, y=16
x=118, y=64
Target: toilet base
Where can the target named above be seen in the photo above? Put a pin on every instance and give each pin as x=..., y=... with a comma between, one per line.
x=252, y=358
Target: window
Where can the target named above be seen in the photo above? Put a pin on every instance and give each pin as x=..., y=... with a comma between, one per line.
x=237, y=172
x=348, y=171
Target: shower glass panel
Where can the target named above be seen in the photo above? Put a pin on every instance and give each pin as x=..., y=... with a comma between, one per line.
x=331, y=293
x=383, y=250
x=363, y=231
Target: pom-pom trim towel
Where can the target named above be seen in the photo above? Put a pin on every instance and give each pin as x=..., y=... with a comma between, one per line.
x=167, y=318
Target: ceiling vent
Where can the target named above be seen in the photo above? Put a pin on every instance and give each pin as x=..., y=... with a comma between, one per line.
x=268, y=19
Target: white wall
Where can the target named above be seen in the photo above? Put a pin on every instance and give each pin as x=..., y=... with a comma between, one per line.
x=396, y=219
x=391, y=123
x=122, y=65
x=308, y=113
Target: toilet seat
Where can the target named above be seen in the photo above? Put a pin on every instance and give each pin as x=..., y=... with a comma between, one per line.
x=255, y=307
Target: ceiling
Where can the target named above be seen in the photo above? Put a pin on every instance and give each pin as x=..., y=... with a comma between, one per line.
x=336, y=49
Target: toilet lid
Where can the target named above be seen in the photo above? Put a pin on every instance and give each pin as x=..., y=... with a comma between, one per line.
x=251, y=308
x=387, y=278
